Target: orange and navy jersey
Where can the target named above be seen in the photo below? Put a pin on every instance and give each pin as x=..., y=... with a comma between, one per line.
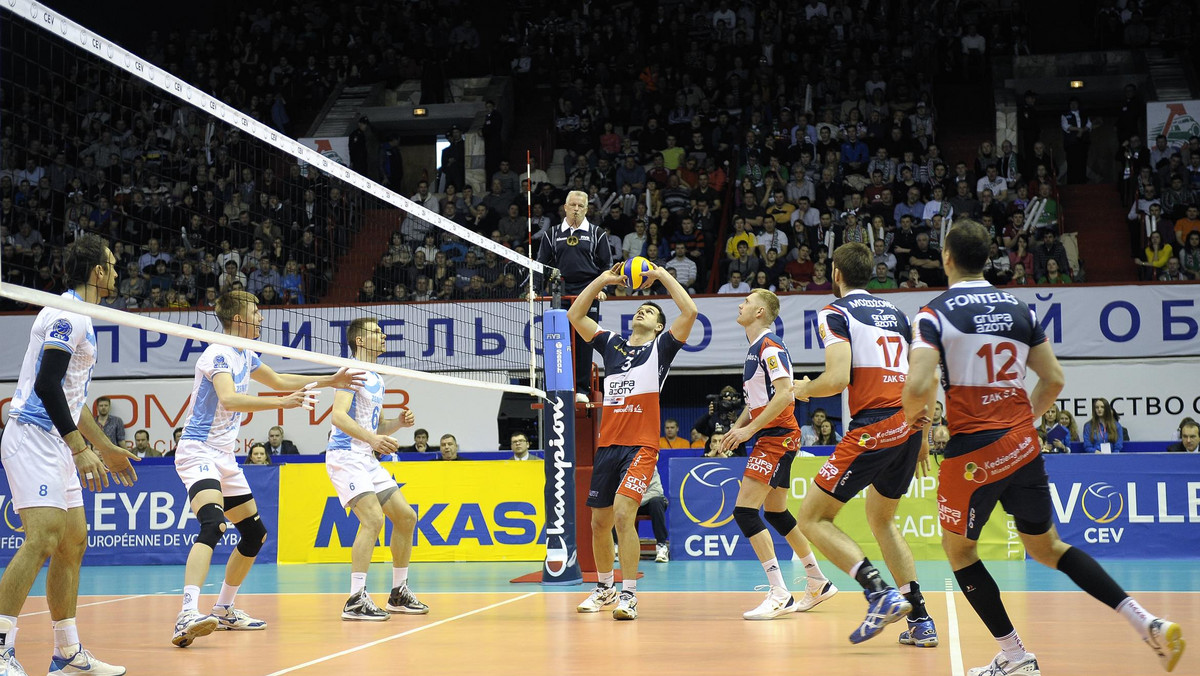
x=877, y=332
x=766, y=361
x=983, y=336
x=633, y=378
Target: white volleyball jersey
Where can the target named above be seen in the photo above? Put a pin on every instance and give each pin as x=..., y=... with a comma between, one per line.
x=56, y=329
x=767, y=360
x=983, y=335
x=878, y=334
x=207, y=420
x=365, y=408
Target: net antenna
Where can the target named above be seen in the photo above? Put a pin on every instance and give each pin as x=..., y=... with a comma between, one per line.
x=498, y=317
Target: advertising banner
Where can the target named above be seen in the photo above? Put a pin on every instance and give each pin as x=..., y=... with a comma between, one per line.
x=336, y=148
x=1177, y=120
x=150, y=522
x=466, y=511
x=703, y=492
x=561, y=565
x=1098, y=322
x=160, y=405
x=1128, y=506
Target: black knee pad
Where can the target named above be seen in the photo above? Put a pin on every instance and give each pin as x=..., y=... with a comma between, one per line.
x=253, y=533
x=212, y=525
x=783, y=522
x=748, y=521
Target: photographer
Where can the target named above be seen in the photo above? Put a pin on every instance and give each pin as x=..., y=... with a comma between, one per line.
x=723, y=409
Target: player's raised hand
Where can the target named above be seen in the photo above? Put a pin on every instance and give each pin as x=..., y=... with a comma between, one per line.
x=116, y=459
x=384, y=445
x=347, y=378
x=614, y=275
x=407, y=419
x=91, y=470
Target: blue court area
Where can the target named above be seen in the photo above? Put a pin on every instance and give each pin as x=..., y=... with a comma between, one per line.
x=677, y=576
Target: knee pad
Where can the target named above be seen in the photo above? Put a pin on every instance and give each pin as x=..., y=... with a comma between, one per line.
x=748, y=521
x=212, y=525
x=253, y=533
x=783, y=522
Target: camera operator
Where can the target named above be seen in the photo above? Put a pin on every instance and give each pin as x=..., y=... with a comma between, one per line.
x=723, y=409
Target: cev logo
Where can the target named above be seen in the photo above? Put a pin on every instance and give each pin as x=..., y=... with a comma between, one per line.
x=10, y=517
x=700, y=484
x=1103, y=503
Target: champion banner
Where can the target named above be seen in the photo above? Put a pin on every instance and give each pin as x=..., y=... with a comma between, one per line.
x=1091, y=321
x=150, y=522
x=1141, y=506
x=703, y=492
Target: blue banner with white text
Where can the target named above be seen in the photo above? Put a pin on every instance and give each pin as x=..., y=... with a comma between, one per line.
x=150, y=522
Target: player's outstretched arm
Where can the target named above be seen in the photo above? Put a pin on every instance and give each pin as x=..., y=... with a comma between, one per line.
x=1050, y=378
x=921, y=386
x=231, y=400
x=835, y=378
x=390, y=425
x=584, y=325
x=682, y=326
x=380, y=443
x=743, y=430
x=345, y=378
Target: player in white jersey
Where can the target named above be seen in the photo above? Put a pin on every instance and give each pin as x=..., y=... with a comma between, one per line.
x=359, y=436
x=204, y=460
x=46, y=454
x=866, y=354
x=984, y=338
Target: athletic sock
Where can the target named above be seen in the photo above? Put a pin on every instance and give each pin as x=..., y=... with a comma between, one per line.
x=1091, y=577
x=191, y=597
x=605, y=579
x=774, y=575
x=1136, y=615
x=358, y=582
x=868, y=576
x=227, y=595
x=66, y=638
x=1011, y=646
x=983, y=593
x=811, y=568
x=629, y=586
x=8, y=631
x=912, y=592
x=399, y=576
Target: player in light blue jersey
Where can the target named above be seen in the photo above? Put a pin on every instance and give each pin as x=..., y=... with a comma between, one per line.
x=46, y=454
x=204, y=460
x=359, y=436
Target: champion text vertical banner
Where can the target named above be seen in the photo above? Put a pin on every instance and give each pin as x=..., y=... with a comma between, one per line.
x=1139, y=505
x=703, y=493
x=150, y=522
x=561, y=565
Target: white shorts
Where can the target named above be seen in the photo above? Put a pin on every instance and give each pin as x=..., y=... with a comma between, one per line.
x=195, y=460
x=40, y=469
x=354, y=473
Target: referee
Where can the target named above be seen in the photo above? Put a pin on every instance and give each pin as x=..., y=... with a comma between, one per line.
x=581, y=252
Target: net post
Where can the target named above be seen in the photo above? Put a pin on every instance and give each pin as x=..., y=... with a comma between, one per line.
x=561, y=566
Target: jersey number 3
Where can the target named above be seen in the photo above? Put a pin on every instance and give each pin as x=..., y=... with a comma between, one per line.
x=990, y=356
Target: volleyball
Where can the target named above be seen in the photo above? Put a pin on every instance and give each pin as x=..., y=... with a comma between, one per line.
x=635, y=272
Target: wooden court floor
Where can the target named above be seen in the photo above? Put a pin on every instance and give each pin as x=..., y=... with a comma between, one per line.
x=491, y=627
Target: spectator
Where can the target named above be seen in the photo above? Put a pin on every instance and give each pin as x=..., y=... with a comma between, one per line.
x=1102, y=433
x=913, y=281
x=277, y=445
x=1050, y=248
x=723, y=409
x=1189, y=256
x=820, y=280
x=670, y=437
x=1173, y=272
x=941, y=437
x=1019, y=277
x=685, y=268
x=827, y=436
x=881, y=280
x=654, y=505
x=1189, y=438
x=142, y=447
x=809, y=432
x=520, y=447
x=996, y=269
x=258, y=455
x=113, y=426
x=420, y=442
x=448, y=448
x=735, y=285
x=1157, y=255
x=928, y=261
x=1054, y=275
x=1077, y=138
x=712, y=445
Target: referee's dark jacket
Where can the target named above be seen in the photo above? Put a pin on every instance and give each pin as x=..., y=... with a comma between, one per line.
x=580, y=254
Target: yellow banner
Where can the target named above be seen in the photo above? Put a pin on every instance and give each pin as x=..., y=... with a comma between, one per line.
x=916, y=517
x=466, y=511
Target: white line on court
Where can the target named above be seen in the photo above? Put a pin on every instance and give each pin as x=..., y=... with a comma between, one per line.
x=956, y=660
x=400, y=635
x=93, y=603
